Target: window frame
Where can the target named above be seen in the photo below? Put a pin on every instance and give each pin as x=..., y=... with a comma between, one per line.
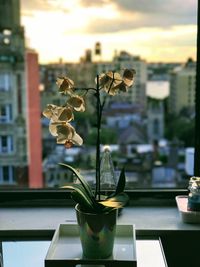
x=55, y=197
x=197, y=100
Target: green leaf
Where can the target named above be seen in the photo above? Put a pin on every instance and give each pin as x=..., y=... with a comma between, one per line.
x=117, y=201
x=84, y=187
x=81, y=196
x=121, y=183
x=84, y=195
x=84, y=183
x=82, y=201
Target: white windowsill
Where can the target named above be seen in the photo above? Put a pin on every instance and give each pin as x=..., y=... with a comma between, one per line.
x=43, y=221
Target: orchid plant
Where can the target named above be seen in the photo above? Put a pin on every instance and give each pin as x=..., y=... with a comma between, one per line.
x=61, y=117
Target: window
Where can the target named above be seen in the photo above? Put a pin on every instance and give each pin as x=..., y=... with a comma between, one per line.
x=5, y=113
x=19, y=93
x=6, y=175
x=159, y=44
x=5, y=81
x=6, y=144
x=156, y=127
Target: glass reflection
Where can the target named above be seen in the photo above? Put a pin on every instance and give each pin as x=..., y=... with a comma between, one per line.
x=24, y=253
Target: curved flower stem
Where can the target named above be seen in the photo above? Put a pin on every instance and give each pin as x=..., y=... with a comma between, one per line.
x=98, y=140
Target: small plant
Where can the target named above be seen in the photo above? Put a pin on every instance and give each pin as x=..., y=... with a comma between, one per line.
x=108, y=84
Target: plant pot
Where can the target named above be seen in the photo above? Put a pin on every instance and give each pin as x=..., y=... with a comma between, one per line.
x=97, y=233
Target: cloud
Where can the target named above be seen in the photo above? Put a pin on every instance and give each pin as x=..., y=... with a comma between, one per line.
x=135, y=22
x=89, y=3
x=131, y=13
x=34, y=5
x=144, y=13
x=28, y=7
x=175, y=7
x=172, y=7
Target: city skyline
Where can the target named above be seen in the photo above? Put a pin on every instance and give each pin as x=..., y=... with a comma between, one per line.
x=157, y=31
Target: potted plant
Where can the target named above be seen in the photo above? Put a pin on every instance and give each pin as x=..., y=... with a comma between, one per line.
x=96, y=214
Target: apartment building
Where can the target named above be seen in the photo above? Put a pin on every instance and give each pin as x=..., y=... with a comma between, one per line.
x=182, y=88
x=16, y=110
x=138, y=93
x=13, y=142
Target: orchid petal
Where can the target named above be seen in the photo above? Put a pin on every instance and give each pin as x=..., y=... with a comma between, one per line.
x=65, y=85
x=128, y=77
x=53, y=129
x=66, y=114
x=66, y=130
x=77, y=103
x=77, y=140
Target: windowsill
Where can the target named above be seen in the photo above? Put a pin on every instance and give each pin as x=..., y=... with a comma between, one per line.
x=42, y=221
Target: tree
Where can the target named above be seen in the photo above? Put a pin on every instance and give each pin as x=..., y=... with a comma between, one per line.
x=108, y=136
x=180, y=128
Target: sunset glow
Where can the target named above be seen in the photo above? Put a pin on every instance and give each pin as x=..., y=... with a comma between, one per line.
x=65, y=29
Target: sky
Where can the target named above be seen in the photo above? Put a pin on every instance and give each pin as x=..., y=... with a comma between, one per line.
x=155, y=30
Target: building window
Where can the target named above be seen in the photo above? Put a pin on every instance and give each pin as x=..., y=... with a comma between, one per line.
x=6, y=175
x=6, y=144
x=156, y=127
x=19, y=93
x=5, y=82
x=5, y=113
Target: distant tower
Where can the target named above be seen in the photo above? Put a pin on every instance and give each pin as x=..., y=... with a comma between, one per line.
x=98, y=48
x=155, y=120
x=97, y=51
x=88, y=56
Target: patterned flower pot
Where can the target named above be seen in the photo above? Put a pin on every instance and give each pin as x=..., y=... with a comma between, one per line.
x=97, y=233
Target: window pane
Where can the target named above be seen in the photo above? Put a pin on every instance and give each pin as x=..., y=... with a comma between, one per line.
x=6, y=175
x=149, y=128
x=5, y=113
x=5, y=82
x=6, y=144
